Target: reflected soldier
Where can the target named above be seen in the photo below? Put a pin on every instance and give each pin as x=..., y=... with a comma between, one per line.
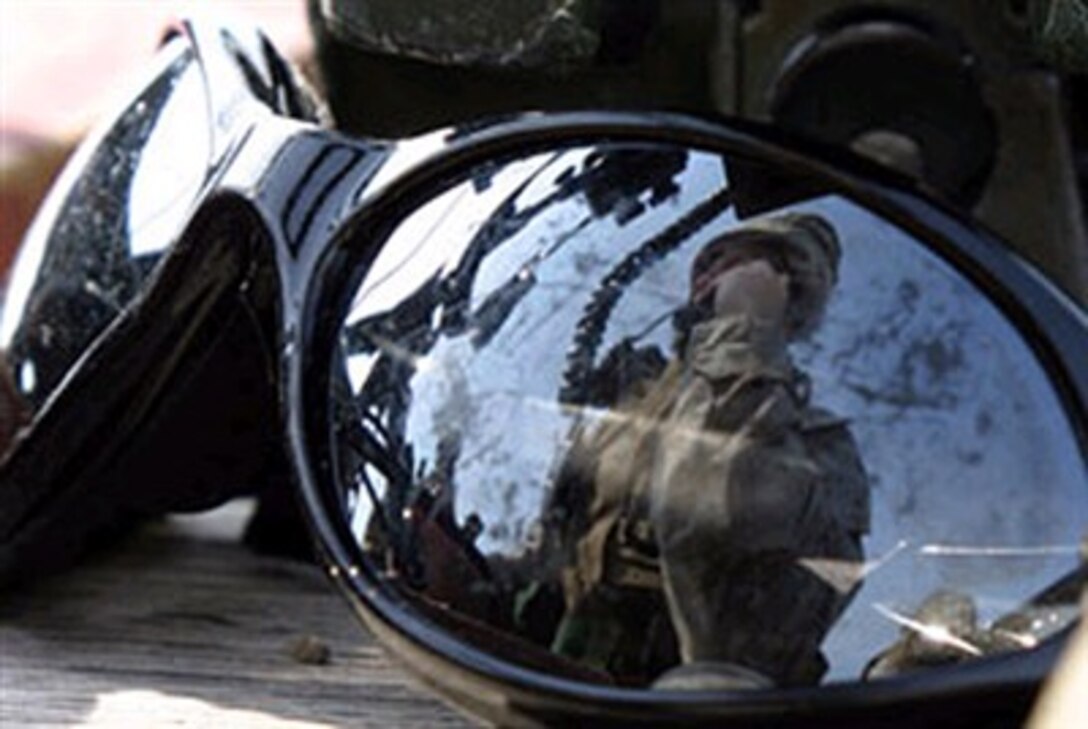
x=720, y=486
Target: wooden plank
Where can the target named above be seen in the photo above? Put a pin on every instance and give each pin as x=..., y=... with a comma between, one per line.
x=182, y=626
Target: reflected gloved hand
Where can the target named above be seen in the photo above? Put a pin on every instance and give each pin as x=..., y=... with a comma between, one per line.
x=752, y=288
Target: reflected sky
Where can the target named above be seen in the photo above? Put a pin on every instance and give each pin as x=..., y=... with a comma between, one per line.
x=960, y=429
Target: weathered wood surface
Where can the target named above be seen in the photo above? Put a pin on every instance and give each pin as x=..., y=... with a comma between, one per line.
x=182, y=626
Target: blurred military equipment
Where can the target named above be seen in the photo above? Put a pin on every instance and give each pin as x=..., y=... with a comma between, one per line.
x=982, y=103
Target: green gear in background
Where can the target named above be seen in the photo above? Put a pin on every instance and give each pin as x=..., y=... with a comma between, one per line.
x=1060, y=28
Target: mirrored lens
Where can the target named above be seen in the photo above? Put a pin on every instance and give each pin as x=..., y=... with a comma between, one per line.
x=116, y=208
x=600, y=415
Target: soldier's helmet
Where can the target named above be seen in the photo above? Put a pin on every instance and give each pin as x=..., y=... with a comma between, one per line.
x=802, y=245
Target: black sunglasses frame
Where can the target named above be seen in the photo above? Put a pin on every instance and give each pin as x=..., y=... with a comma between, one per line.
x=989, y=687
x=252, y=294
x=179, y=340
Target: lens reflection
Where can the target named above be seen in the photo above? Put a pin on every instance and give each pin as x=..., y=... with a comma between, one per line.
x=597, y=418
x=104, y=227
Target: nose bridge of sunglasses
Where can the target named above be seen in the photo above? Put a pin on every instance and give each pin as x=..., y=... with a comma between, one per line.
x=304, y=184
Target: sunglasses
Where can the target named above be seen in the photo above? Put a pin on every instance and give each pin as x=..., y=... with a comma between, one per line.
x=534, y=486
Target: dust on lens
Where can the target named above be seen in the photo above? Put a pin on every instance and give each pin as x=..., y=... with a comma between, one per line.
x=115, y=210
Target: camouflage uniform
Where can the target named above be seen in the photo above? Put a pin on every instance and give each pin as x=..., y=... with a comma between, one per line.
x=616, y=618
x=727, y=490
x=759, y=503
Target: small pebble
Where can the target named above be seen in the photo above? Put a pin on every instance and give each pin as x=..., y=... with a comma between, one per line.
x=310, y=650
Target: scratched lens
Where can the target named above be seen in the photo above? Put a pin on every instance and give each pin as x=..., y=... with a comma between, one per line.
x=598, y=417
